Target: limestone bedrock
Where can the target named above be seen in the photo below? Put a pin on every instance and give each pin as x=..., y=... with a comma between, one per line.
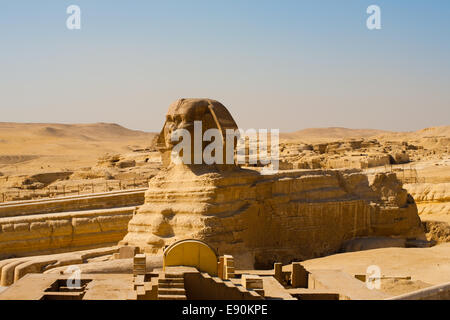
x=261, y=219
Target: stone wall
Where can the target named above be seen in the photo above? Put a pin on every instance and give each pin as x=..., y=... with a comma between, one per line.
x=47, y=226
x=62, y=232
x=73, y=203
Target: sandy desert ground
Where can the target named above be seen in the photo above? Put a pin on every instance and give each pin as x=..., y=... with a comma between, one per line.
x=34, y=157
x=31, y=148
x=425, y=266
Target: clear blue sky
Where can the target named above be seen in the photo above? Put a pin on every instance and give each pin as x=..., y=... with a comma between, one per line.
x=274, y=64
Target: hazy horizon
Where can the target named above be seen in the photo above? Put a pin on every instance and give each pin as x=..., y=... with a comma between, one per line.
x=157, y=131
x=289, y=65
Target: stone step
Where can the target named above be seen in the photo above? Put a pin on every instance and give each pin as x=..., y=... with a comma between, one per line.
x=170, y=285
x=170, y=280
x=217, y=279
x=171, y=291
x=173, y=275
x=172, y=297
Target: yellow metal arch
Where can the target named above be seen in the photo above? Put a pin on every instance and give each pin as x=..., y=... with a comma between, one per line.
x=191, y=253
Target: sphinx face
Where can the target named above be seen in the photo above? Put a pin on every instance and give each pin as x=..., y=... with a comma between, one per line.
x=182, y=115
x=187, y=114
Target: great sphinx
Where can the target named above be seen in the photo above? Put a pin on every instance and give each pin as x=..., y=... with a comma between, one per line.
x=260, y=219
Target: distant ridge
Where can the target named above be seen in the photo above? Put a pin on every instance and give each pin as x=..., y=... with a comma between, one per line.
x=432, y=132
x=338, y=133
x=94, y=131
x=55, y=138
x=332, y=133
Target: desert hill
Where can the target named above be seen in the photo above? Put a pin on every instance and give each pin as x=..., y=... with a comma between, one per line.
x=314, y=135
x=50, y=139
x=27, y=147
x=427, y=133
x=332, y=133
x=36, y=146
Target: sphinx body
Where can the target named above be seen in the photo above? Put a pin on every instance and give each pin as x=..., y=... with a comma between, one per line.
x=260, y=219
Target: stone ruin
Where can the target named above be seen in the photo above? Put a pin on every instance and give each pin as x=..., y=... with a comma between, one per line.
x=261, y=219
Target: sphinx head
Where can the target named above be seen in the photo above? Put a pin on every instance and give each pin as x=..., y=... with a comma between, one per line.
x=194, y=117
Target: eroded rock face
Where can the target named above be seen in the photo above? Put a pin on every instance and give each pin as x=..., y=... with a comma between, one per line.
x=260, y=219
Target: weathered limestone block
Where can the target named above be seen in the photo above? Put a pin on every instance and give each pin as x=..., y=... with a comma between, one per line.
x=30, y=267
x=7, y=227
x=431, y=198
x=111, y=223
x=299, y=277
x=127, y=252
x=21, y=227
x=86, y=225
x=61, y=227
x=400, y=157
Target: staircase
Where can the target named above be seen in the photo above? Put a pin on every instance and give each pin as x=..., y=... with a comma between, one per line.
x=171, y=287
